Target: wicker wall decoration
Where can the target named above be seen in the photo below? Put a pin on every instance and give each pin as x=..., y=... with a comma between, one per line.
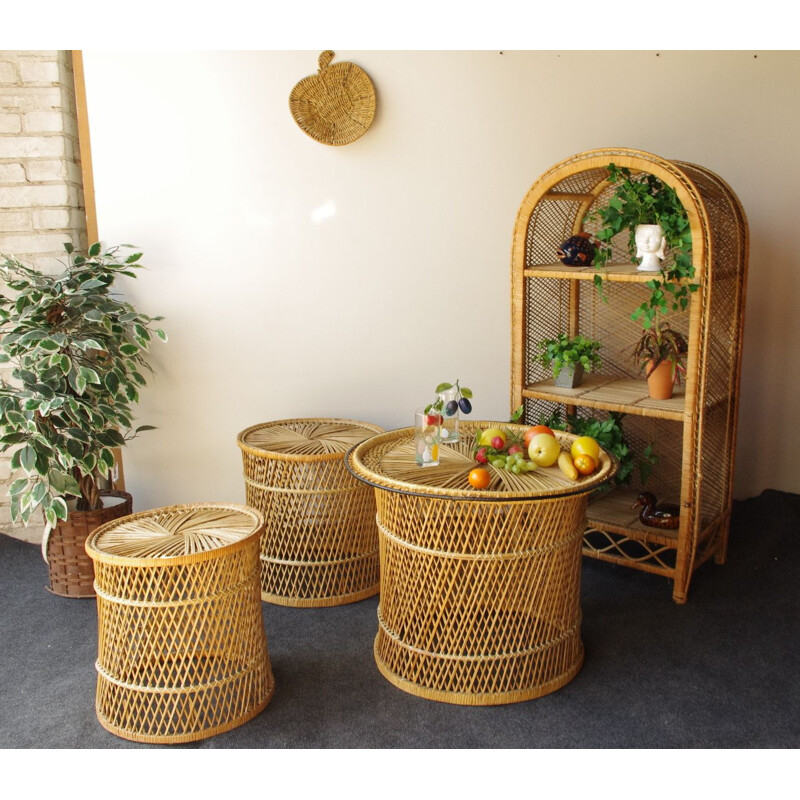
x=337, y=105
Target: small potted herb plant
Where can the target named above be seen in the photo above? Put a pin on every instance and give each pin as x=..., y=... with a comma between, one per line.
x=661, y=351
x=568, y=358
x=77, y=354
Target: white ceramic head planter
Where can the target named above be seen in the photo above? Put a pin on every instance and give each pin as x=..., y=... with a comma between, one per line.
x=650, y=247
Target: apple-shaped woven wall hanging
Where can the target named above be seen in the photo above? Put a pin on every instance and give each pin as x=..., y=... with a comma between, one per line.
x=336, y=105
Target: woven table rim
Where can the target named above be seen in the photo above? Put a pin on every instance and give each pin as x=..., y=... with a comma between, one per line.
x=171, y=561
x=356, y=468
x=298, y=457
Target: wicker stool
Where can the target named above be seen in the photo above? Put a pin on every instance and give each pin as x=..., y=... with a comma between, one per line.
x=182, y=653
x=480, y=590
x=320, y=545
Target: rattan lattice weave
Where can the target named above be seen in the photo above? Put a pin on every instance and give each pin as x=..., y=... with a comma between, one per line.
x=480, y=590
x=182, y=652
x=320, y=544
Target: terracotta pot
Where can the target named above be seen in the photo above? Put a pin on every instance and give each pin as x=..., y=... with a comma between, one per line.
x=71, y=569
x=661, y=381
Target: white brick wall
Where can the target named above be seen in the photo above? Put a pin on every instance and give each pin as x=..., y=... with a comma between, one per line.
x=41, y=192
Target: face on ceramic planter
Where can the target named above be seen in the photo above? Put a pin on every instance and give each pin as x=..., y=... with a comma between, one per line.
x=650, y=247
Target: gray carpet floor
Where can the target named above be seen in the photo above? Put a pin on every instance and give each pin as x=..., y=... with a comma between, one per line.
x=718, y=672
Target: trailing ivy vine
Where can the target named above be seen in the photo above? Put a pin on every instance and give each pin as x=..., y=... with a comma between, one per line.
x=644, y=199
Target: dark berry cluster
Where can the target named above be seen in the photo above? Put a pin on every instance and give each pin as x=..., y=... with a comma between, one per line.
x=462, y=400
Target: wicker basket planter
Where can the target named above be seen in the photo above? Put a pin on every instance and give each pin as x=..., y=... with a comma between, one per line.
x=182, y=652
x=320, y=544
x=71, y=569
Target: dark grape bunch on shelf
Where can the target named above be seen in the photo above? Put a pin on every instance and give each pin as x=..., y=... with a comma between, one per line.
x=461, y=400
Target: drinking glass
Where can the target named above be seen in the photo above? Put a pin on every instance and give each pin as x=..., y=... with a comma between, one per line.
x=427, y=437
x=449, y=424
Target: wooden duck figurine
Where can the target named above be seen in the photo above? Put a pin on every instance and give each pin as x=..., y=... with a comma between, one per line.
x=666, y=515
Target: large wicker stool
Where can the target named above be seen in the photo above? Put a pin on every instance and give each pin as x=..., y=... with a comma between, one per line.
x=480, y=589
x=182, y=652
x=320, y=544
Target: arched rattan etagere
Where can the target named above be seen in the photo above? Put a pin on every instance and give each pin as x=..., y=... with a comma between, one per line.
x=693, y=434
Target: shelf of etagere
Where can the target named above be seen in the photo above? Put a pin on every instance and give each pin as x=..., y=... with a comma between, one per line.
x=611, y=393
x=613, y=272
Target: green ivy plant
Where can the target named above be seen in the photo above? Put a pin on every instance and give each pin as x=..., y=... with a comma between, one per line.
x=643, y=199
x=77, y=357
x=563, y=351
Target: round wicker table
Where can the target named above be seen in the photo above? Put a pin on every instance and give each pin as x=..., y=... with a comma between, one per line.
x=480, y=589
x=182, y=652
x=320, y=544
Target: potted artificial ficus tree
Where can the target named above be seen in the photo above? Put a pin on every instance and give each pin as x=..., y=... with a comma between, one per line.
x=77, y=357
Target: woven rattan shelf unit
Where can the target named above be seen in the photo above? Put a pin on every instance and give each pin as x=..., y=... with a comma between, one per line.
x=320, y=544
x=694, y=432
x=182, y=652
x=480, y=590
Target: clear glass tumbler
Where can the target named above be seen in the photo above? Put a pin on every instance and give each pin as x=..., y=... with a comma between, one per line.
x=449, y=423
x=427, y=437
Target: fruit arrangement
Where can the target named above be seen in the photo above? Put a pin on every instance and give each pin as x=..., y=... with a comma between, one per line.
x=537, y=447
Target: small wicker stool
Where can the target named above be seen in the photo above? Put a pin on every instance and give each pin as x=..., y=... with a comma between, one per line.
x=182, y=653
x=320, y=544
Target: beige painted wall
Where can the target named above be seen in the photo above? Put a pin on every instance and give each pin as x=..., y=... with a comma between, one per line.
x=304, y=280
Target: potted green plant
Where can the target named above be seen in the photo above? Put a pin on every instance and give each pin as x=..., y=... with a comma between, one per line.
x=568, y=358
x=661, y=351
x=76, y=353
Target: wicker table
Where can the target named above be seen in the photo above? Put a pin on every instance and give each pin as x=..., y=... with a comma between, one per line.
x=320, y=545
x=480, y=590
x=182, y=653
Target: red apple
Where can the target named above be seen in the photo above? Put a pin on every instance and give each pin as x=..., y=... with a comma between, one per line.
x=480, y=455
x=515, y=448
x=498, y=442
x=533, y=431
